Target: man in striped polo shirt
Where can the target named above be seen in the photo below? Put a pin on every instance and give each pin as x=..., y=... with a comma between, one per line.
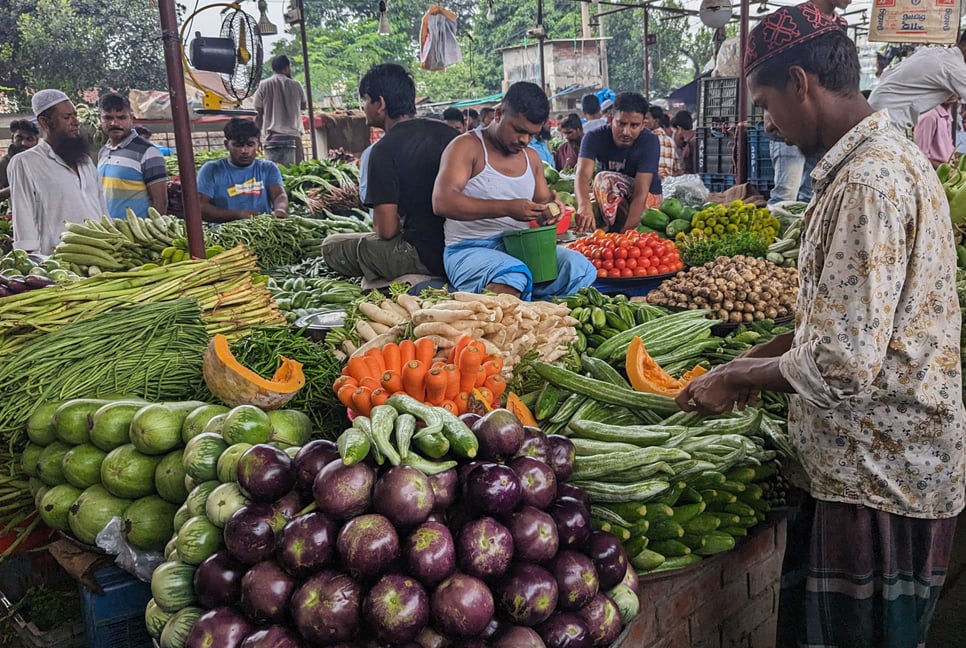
x=131, y=169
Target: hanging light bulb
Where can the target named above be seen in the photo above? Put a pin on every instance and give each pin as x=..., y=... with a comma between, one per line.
x=384, y=28
x=489, y=11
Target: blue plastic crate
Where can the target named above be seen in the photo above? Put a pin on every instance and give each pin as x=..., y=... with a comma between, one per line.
x=116, y=619
x=717, y=182
x=715, y=151
x=760, y=168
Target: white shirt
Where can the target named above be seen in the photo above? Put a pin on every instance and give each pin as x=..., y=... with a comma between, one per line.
x=281, y=99
x=45, y=193
x=920, y=83
x=594, y=124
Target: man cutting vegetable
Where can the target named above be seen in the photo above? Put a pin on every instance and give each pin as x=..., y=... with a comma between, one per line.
x=873, y=366
x=491, y=181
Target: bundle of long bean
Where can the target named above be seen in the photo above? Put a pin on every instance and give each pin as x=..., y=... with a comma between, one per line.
x=223, y=285
x=153, y=351
x=17, y=512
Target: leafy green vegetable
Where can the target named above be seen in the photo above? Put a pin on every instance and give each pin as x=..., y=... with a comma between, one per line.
x=698, y=250
x=47, y=608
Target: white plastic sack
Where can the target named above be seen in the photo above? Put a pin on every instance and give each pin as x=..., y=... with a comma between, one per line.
x=438, y=45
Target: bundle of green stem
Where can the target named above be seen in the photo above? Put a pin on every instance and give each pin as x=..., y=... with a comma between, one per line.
x=230, y=300
x=17, y=511
x=152, y=351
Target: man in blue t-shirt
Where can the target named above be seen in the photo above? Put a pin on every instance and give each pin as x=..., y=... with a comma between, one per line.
x=241, y=186
x=626, y=156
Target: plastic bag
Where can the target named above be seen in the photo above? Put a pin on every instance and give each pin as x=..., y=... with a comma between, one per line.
x=437, y=39
x=139, y=563
x=726, y=62
x=689, y=189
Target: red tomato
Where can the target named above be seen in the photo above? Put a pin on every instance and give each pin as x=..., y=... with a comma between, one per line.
x=631, y=263
x=620, y=264
x=640, y=271
x=627, y=272
x=620, y=253
x=608, y=265
x=601, y=273
x=644, y=262
x=663, y=269
x=633, y=252
x=607, y=253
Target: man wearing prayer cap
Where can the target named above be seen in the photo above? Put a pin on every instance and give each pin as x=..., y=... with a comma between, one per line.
x=54, y=182
x=873, y=366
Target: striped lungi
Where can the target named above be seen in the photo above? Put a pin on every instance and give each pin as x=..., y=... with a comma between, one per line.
x=873, y=577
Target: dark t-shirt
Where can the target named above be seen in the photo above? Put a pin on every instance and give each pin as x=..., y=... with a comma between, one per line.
x=402, y=171
x=640, y=157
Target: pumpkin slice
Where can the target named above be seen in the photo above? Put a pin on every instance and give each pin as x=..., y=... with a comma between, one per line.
x=646, y=375
x=238, y=385
x=522, y=412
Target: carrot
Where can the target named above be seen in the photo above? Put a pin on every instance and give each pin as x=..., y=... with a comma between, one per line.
x=376, y=354
x=362, y=401
x=461, y=344
x=392, y=381
x=493, y=366
x=380, y=396
x=375, y=368
x=452, y=381
x=469, y=363
x=407, y=353
x=463, y=402
x=439, y=364
x=496, y=384
x=393, y=357
x=425, y=350
x=486, y=394
x=450, y=406
x=414, y=380
x=435, y=386
x=480, y=377
x=358, y=368
x=345, y=395
x=370, y=383
x=344, y=379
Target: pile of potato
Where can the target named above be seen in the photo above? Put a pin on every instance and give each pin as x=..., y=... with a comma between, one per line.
x=734, y=289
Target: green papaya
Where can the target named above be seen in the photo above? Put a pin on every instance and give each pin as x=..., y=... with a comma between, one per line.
x=656, y=219
x=672, y=207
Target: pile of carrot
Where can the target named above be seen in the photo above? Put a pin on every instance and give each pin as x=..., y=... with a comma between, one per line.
x=411, y=367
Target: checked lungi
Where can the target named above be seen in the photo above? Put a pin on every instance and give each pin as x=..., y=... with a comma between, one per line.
x=873, y=577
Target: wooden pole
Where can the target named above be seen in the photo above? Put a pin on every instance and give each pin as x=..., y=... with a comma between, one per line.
x=308, y=79
x=741, y=173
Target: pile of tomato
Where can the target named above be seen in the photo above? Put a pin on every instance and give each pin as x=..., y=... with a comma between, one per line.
x=629, y=254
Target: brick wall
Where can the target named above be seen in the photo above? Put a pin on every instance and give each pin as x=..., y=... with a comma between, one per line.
x=726, y=601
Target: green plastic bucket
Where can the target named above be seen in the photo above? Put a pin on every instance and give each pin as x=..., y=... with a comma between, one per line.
x=537, y=247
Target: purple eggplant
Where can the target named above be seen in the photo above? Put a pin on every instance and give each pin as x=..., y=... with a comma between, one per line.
x=534, y=535
x=311, y=459
x=306, y=544
x=602, y=618
x=526, y=595
x=368, y=544
x=576, y=579
x=573, y=522
x=326, y=608
x=265, y=473
x=569, y=490
x=537, y=481
x=223, y=626
x=517, y=637
x=344, y=492
x=445, y=489
x=610, y=559
x=565, y=630
x=464, y=470
x=430, y=553
x=470, y=419
x=265, y=591
x=289, y=506
x=462, y=606
x=493, y=489
x=500, y=435
x=534, y=444
x=36, y=281
x=218, y=580
x=404, y=495
x=429, y=637
x=562, y=455
x=396, y=608
x=274, y=636
x=250, y=533
x=485, y=548
x=16, y=286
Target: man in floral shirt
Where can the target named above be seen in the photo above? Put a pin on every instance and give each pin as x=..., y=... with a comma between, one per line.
x=873, y=365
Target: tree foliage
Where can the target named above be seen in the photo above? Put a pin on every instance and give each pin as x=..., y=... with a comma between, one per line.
x=75, y=45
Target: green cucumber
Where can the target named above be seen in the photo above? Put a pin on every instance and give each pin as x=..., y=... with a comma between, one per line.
x=670, y=548
x=716, y=542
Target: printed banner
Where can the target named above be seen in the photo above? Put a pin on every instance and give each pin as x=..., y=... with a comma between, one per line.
x=914, y=21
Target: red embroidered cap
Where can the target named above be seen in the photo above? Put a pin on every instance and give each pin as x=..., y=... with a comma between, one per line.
x=784, y=29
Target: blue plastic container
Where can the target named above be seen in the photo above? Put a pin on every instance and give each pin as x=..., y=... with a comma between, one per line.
x=116, y=620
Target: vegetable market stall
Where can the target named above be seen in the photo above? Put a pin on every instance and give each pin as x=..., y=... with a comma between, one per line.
x=225, y=451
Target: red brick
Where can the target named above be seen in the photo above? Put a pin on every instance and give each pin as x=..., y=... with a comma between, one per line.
x=765, y=635
x=765, y=573
x=750, y=551
x=677, y=607
x=653, y=591
x=642, y=630
x=736, y=629
x=676, y=638
x=714, y=641
x=709, y=616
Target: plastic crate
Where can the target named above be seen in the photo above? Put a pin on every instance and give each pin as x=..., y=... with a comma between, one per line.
x=718, y=103
x=717, y=183
x=20, y=572
x=116, y=619
x=715, y=151
x=760, y=167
